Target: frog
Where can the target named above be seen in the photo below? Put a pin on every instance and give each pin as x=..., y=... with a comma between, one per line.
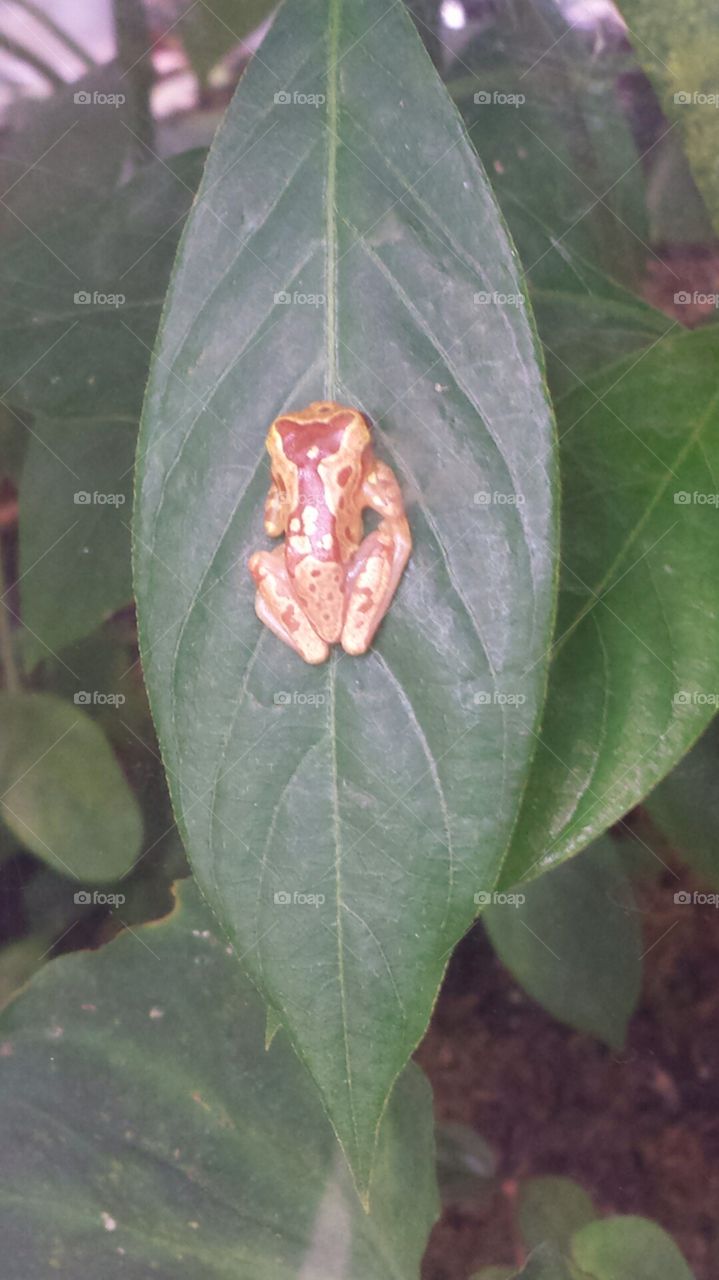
x=330, y=582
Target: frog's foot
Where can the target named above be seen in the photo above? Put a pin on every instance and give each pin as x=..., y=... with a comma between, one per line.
x=277, y=606
x=372, y=579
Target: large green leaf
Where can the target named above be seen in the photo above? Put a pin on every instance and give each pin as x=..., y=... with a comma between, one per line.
x=628, y=1248
x=146, y=1132
x=575, y=943
x=62, y=791
x=677, y=42
x=387, y=784
x=635, y=665
x=82, y=365
x=685, y=806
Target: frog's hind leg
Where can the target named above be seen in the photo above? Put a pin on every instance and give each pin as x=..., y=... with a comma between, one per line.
x=372, y=579
x=277, y=606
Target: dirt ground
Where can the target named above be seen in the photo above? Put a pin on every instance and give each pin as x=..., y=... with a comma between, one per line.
x=639, y=1129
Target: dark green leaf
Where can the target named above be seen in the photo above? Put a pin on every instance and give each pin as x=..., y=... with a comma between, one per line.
x=386, y=784
x=63, y=793
x=84, y=364
x=552, y=131
x=628, y=1248
x=61, y=152
x=75, y=512
x=80, y=317
x=575, y=943
x=685, y=806
x=145, y=1131
x=635, y=669
x=551, y=1209
x=209, y=31
x=547, y=1263
x=465, y=1164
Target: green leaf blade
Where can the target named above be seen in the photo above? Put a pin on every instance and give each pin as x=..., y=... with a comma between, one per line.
x=628, y=1248
x=354, y=782
x=167, y=1141
x=575, y=943
x=634, y=675
x=63, y=793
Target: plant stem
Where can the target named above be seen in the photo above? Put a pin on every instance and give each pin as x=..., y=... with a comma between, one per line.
x=134, y=54
x=13, y=683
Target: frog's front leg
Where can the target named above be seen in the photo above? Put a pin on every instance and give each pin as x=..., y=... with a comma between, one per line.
x=372, y=577
x=278, y=607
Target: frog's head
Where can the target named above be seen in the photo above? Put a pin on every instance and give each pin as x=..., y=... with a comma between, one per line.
x=326, y=432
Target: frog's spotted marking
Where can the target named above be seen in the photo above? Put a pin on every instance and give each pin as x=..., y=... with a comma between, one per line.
x=328, y=583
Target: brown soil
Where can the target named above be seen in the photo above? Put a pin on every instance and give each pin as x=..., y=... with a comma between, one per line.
x=639, y=1129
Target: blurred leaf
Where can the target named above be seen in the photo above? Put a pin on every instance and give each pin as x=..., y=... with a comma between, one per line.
x=494, y=1273
x=677, y=212
x=465, y=1164
x=677, y=43
x=58, y=154
x=75, y=513
x=63, y=793
x=685, y=806
x=575, y=944
x=628, y=1248
x=88, y=359
x=145, y=1131
x=551, y=1209
x=587, y=323
x=209, y=31
x=18, y=962
x=351, y=780
x=549, y=125
x=636, y=659
x=84, y=364
x=547, y=1263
